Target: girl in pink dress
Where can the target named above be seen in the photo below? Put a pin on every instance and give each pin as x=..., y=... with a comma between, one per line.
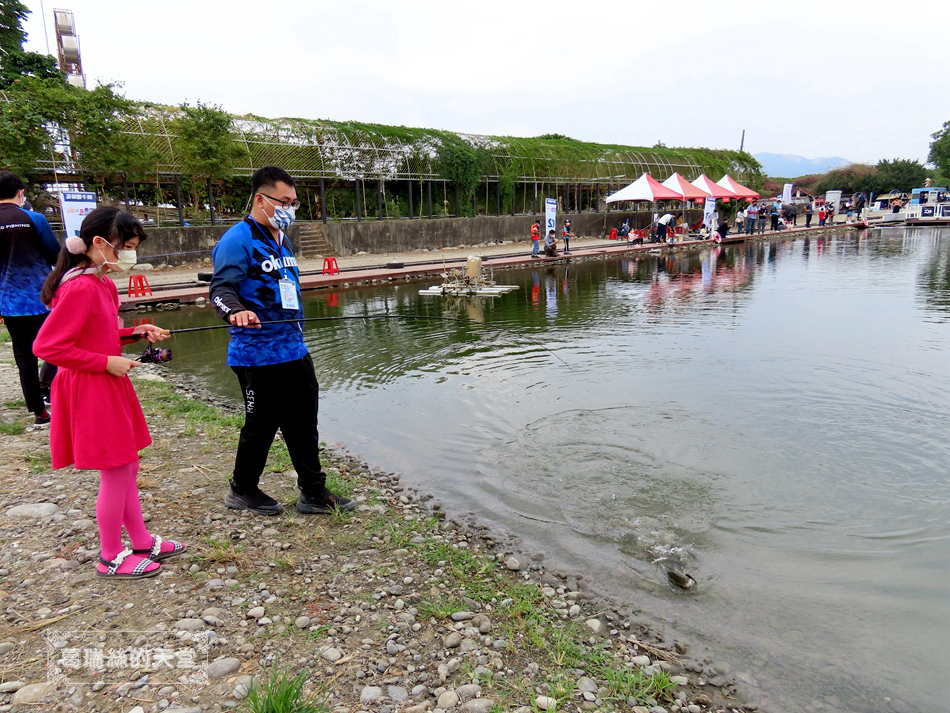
x=97, y=423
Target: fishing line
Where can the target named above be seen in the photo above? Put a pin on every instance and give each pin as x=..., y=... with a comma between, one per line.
x=382, y=316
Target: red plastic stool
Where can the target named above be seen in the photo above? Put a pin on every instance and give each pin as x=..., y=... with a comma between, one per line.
x=613, y=234
x=138, y=286
x=330, y=267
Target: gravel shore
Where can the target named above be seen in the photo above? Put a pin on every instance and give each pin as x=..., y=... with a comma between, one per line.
x=391, y=608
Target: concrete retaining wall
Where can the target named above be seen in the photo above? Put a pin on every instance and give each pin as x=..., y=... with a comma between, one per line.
x=177, y=245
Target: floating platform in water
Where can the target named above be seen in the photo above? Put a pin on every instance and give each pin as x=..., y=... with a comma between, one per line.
x=472, y=281
x=448, y=289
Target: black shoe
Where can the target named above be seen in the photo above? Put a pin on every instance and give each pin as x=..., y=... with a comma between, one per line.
x=324, y=505
x=41, y=418
x=257, y=502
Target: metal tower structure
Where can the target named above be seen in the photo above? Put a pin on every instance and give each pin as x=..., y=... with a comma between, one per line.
x=67, y=45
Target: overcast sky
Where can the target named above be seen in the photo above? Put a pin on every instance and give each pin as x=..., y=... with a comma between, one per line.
x=862, y=80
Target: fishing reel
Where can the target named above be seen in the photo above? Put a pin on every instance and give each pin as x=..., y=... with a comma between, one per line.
x=155, y=355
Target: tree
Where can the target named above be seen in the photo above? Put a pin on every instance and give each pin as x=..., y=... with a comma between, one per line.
x=14, y=62
x=899, y=175
x=12, y=36
x=940, y=149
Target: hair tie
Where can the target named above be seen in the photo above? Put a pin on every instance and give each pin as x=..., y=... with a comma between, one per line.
x=75, y=245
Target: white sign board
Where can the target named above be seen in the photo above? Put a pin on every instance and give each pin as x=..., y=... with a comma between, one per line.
x=834, y=197
x=550, y=216
x=75, y=206
x=708, y=209
x=787, y=193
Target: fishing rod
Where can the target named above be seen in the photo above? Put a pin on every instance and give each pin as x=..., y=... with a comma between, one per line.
x=325, y=319
x=158, y=355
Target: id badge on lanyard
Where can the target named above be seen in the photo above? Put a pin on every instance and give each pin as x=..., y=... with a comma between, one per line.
x=288, y=294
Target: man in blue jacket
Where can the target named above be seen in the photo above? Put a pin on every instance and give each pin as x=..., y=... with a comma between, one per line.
x=28, y=249
x=256, y=280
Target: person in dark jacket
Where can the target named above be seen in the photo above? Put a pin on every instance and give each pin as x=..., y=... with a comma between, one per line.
x=28, y=250
x=256, y=280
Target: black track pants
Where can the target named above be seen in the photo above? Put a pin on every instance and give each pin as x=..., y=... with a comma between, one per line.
x=280, y=396
x=23, y=331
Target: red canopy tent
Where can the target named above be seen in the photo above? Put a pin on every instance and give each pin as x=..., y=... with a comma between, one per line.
x=687, y=191
x=645, y=188
x=705, y=183
x=733, y=185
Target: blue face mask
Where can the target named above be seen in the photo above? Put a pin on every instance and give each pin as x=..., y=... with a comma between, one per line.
x=282, y=218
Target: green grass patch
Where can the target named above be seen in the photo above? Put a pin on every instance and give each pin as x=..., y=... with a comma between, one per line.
x=16, y=403
x=282, y=693
x=13, y=428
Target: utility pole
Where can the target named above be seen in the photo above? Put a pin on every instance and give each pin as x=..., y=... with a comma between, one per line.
x=742, y=142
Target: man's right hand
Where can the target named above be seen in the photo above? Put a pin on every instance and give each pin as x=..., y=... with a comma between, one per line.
x=245, y=318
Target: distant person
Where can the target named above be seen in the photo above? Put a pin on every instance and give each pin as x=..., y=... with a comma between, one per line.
x=829, y=214
x=28, y=250
x=774, y=214
x=751, y=216
x=535, y=238
x=566, y=235
x=662, y=226
x=722, y=230
x=792, y=214
x=809, y=212
x=763, y=218
x=624, y=230
x=822, y=215
x=255, y=280
x=849, y=211
x=550, y=244
x=861, y=203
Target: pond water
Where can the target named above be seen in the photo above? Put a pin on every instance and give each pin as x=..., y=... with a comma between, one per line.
x=773, y=416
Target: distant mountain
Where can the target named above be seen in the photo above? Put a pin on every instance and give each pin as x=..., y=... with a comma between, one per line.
x=790, y=166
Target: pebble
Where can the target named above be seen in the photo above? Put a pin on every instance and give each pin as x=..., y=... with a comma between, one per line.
x=642, y=661
x=461, y=615
x=370, y=694
x=397, y=693
x=214, y=584
x=449, y=699
x=255, y=613
x=33, y=510
x=302, y=622
x=6, y=647
x=32, y=693
x=596, y=625
x=693, y=708
x=189, y=624
x=469, y=690
x=453, y=640
x=514, y=564
x=98, y=686
x=546, y=703
x=478, y=705
x=679, y=680
x=330, y=654
x=223, y=667
x=11, y=686
x=586, y=684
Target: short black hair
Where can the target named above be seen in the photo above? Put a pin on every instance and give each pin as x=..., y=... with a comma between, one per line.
x=270, y=176
x=10, y=185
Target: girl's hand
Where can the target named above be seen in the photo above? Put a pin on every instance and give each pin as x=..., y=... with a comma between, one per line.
x=151, y=332
x=120, y=366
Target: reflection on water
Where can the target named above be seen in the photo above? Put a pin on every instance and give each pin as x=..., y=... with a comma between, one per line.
x=772, y=416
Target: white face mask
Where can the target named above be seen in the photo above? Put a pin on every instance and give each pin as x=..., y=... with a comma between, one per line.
x=283, y=217
x=126, y=259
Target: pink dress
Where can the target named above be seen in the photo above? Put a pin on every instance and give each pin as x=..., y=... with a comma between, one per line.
x=97, y=421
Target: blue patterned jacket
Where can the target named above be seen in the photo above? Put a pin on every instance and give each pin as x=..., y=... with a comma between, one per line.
x=28, y=248
x=248, y=265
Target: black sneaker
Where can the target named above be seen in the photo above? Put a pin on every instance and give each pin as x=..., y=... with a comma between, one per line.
x=324, y=505
x=41, y=418
x=257, y=502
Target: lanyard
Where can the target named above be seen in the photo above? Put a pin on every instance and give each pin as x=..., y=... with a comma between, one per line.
x=280, y=254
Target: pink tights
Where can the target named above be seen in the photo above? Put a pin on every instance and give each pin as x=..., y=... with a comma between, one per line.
x=119, y=505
